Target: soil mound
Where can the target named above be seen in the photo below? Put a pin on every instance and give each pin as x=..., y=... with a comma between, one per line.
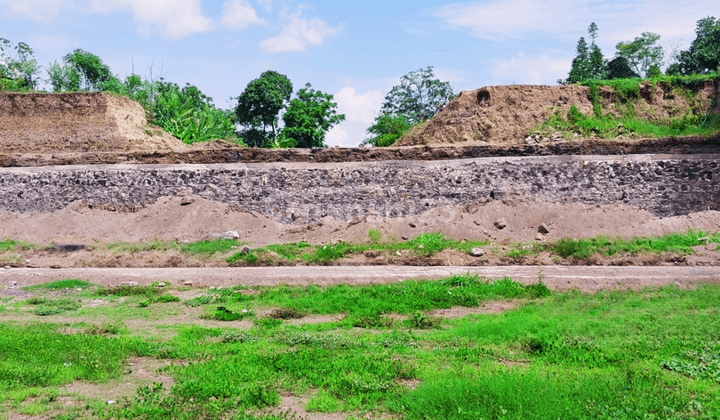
x=77, y=122
x=503, y=115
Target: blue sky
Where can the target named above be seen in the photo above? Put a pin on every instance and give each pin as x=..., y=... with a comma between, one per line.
x=355, y=50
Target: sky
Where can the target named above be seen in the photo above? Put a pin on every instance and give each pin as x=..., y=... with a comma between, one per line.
x=354, y=50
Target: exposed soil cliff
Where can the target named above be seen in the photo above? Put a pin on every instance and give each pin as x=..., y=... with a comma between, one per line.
x=502, y=115
x=77, y=122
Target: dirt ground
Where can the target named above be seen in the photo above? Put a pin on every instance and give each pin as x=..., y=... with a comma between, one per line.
x=77, y=122
x=169, y=219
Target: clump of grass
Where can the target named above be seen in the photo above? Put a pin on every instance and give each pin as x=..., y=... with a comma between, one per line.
x=676, y=242
x=46, y=307
x=106, y=328
x=222, y=313
x=286, y=313
x=126, y=290
x=59, y=285
x=154, y=245
x=13, y=245
x=210, y=246
x=426, y=244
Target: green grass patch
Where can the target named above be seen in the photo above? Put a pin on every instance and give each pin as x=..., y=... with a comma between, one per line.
x=424, y=245
x=126, y=290
x=613, y=354
x=628, y=91
x=59, y=285
x=13, y=245
x=154, y=245
x=681, y=243
x=210, y=246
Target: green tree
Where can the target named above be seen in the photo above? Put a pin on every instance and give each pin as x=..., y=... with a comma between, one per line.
x=387, y=130
x=580, y=68
x=187, y=113
x=642, y=53
x=259, y=107
x=81, y=70
x=589, y=63
x=418, y=96
x=18, y=69
x=703, y=56
x=619, y=68
x=309, y=117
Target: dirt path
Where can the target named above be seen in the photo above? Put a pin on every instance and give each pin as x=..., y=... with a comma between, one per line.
x=584, y=278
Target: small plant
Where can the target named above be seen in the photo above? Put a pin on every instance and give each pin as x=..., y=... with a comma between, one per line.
x=224, y=314
x=420, y=320
x=237, y=337
x=374, y=235
x=105, y=328
x=286, y=313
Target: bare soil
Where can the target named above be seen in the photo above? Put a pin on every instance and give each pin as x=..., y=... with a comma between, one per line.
x=170, y=219
x=77, y=122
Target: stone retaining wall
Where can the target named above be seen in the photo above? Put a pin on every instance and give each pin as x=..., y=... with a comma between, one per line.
x=306, y=192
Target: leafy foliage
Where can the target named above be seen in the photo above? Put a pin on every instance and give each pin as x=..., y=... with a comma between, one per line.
x=703, y=56
x=259, y=106
x=80, y=71
x=17, y=70
x=418, y=96
x=589, y=63
x=643, y=55
x=387, y=130
x=308, y=118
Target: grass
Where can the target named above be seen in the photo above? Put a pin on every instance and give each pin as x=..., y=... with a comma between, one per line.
x=59, y=285
x=424, y=245
x=13, y=245
x=608, y=125
x=210, y=246
x=613, y=354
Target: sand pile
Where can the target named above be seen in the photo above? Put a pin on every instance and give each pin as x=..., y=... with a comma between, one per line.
x=77, y=122
x=502, y=115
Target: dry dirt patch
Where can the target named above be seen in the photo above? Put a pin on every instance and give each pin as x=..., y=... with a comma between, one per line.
x=77, y=123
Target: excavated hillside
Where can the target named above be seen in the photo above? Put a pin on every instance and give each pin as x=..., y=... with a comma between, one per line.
x=503, y=115
x=77, y=123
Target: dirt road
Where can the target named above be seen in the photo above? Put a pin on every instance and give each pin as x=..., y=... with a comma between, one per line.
x=586, y=279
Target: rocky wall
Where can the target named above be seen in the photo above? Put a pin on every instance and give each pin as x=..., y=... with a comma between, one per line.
x=306, y=192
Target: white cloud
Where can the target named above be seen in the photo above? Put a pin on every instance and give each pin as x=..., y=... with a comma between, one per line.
x=360, y=110
x=178, y=18
x=503, y=19
x=298, y=33
x=239, y=14
x=266, y=4
x=541, y=70
x=42, y=10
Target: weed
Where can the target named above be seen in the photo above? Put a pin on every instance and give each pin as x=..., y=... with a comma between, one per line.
x=374, y=235
x=224, y=314
x=286, y=313
x=105, y=328
x=210, y=246
x=125, y=290
x=59, y=285
x=324, y=402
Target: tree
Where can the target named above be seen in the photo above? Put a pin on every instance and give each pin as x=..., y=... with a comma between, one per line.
x=589, y=63
x=387, y=130
x=20, y=67
x=417, y=97
x=80, y=71
x=703, y=56
x=642, y=54
x=259, y=105
x=619, y=68
x=309, y=117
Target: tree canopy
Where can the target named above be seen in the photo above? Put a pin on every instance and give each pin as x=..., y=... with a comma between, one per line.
x=260, y=104
x=418, y=96
x=19, y=68
x=309, y=117
x=703, y=56
x=81, y=70
x=642, y=53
